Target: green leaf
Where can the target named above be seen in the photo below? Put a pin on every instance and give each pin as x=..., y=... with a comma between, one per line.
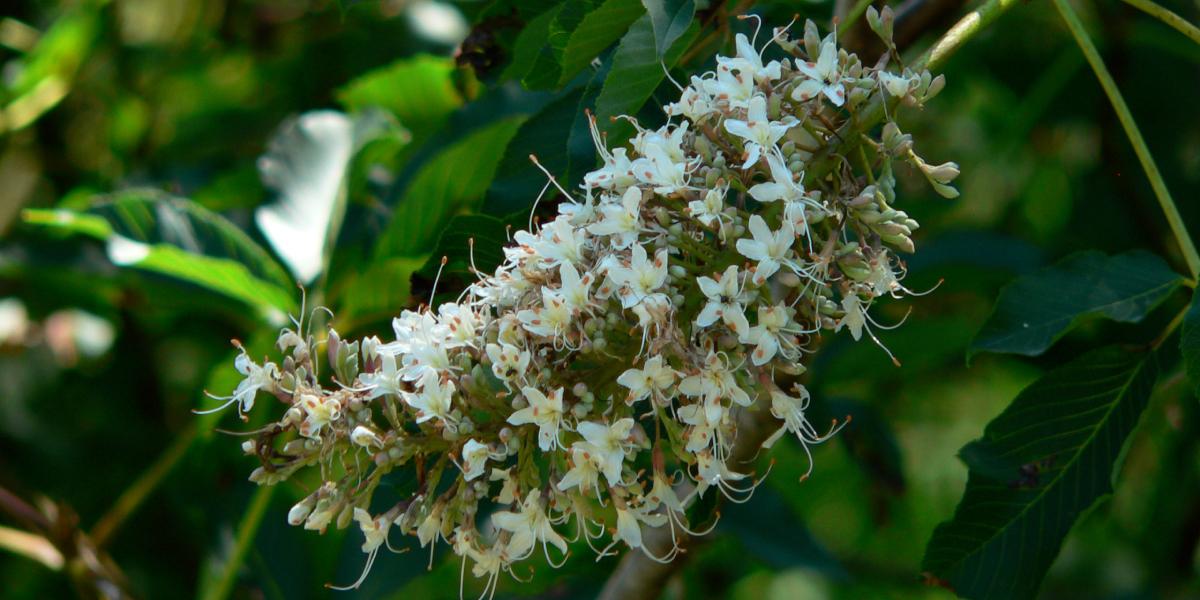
x=452, y=182
x=308, y=164
x=636, y=70
x=529, y=45
x=597, y=31
x=547, y=67
x=1189, y=342
x=1039, y=465
x=490, y=235
x=1037, y=309
x=156, y=232
x=377, y=293
x=419, y=91
x=671, y=19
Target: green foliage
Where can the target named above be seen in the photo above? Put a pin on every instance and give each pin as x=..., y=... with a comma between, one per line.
x=599, y=29
x=637, y=70
x=1040, y=465
x=1189, y=342
x=670, y=19
x=158, y=233
x=1039, y=308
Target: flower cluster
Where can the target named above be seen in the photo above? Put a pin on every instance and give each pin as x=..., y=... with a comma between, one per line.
x=591, y=386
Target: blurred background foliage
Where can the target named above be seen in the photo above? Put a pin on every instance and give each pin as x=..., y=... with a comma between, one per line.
x=173, y=105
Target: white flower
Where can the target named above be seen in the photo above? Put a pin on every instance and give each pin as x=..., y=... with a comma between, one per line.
x=767, y=334
x=374, y=529
x=617, y=172
x=608, y=442
x=791, y=411
x=385, y=380
x=896, y=85
x=734, y=88
x=703, y=420
x=854, y=319
x=655, y=377
x=824, y=76
x=694, y=103
x=784, y=187
x=642, y=278
x=545, y=412
x=256, y=378
x=431, y=527
x=558, y=241
x=574, y=288
x=508, y=362
x=461, y=324
x=366, y=437
x=621, y=221
x=709, y=209
x=724, y=302
x=714, y=381
x=711, y=471
x=749, y=60
x=758, y=131
x=769, y=249
x=318, y=412
x=658, y=169
x=552, y=319
x=434, y=399
x=474, y=457
x=585, y=468
x=528, y=527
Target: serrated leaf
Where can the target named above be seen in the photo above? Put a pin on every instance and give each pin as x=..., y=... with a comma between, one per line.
x=490, y=235
x=156, y=232
x=547, y=67
x=452, y=182
x=1189, y=343
x=379, y=292
x=1037, y=309
x=1039, y=465
x=597, y=31
x=518, y=181
x=670, y=19
x=308, y=164
x=636, y=70
x=419, y=91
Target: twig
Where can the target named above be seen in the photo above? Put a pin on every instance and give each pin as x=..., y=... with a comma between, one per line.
x=1190, y=256
x=1166, y=16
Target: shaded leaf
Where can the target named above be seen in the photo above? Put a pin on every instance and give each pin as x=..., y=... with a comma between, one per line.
x=452, y=182
x=1189, y=342
x=308, y=163
x=1047, y=458
x=636, y=70
x=597, y=31
x=379, y=292
x=529, y=45
x=156, y=232
x=775, y=534
x=490, y=235
x=670, y=19
x=547, y=67
x=1037, y=309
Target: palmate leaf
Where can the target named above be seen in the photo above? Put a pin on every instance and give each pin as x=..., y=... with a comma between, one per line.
x=599, y=29
x=153, y=231
x=1037, y=309
x=1039, y=465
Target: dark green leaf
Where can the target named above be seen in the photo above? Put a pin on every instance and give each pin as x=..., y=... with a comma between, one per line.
x=1047, y=458
x=152, y=231
x=490, y=235
x=378, y=292
x=1189, y=342
x=599, y=29
x=529, y=45
x=1037, y=309
x=636, y=70
x=547, y=67
x=671, y=18
x=452, y=182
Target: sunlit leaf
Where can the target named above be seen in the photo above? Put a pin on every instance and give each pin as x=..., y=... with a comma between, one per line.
x=419, y=91
x=452, y=182
x=637, y=70
x=1037, y=309
x=1039, y=465
x=671, y=19
x=152, y=231
x=597, y=31
x=307, y=163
